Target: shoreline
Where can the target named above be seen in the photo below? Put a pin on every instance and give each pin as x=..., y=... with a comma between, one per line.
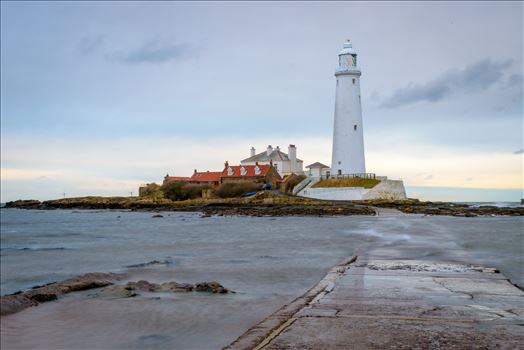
x=269, y=204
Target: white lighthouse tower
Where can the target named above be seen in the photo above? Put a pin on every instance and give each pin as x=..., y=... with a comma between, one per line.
x=348, y=136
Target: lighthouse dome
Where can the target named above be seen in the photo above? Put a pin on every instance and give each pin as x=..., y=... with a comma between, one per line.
x=348, y=49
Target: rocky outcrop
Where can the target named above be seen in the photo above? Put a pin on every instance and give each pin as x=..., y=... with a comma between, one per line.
x=133, y=289
x=263, y=204
x=40, y=294
x=19, y=301
x=414, y=206
x=325, y=209
x=269, y=204
x=24, y=204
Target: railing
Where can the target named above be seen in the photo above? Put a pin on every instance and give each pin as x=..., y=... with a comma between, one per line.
x=347, y=69
x=301, y=185
x=349, y=176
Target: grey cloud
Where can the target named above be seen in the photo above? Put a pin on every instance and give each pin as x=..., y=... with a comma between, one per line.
x=520, y=151
x=477, y=76
x=514, y=80
x=153, y=52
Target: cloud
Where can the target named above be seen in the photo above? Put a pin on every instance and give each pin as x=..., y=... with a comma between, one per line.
x=153, y=52
x=520, y=151
x=514, y=80
x=477, y=76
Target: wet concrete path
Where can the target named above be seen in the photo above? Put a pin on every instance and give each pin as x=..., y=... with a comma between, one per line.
x=398, y=304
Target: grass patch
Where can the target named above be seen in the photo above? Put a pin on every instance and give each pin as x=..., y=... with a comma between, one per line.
x=352, y=182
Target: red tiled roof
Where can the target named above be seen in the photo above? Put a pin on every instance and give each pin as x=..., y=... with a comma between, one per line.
x=250, y=170
x=208, y=176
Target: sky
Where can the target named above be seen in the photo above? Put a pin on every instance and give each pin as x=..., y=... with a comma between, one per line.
x=100, y=97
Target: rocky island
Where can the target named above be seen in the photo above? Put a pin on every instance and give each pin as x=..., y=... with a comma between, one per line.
x=268, y=203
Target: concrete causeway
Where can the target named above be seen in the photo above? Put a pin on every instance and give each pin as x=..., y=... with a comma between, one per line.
x=374, y=303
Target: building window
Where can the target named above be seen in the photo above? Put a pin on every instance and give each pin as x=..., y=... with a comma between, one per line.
x=353, y=81
x=339, y=172
x=355, y=127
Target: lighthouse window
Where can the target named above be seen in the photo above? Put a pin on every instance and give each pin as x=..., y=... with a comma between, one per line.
x=353, y=81
x=355, y=127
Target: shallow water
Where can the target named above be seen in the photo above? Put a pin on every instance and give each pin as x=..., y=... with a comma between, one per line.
x=267, y=261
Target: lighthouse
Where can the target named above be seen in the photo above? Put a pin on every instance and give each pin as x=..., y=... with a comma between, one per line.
x=348, y=136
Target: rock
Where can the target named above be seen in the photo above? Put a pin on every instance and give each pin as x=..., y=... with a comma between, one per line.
x=143, y=286
x=177, y=287
x=43, y=297
x=157, y=216
x=40, y=294
x=153, y=262
x=10, y=304
x=213, y=287
x=24, y=204
x=132, y=289
x=115, y=291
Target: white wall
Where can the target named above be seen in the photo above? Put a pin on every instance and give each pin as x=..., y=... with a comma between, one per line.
x=335, y=193
x=388, y=189
x=318, y=172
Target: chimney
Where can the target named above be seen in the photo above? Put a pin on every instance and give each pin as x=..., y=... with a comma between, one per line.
x=269, y=150
x=292, y=154
x=226, y=164
x=195, y=171
x=253, y=151
x=278, y=148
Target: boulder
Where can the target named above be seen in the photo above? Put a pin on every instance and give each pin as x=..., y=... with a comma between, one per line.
x=212, y=287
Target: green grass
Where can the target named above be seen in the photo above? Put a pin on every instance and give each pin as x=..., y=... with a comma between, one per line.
x=352, y=182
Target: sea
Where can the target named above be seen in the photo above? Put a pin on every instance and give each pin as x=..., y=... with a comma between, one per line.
x=267, y=261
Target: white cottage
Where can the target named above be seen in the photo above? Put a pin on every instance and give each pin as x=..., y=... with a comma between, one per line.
x=285, y=164
x=317, y=169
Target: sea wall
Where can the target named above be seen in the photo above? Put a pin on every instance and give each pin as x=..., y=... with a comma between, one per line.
x=386, y=189
x=335, y=193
